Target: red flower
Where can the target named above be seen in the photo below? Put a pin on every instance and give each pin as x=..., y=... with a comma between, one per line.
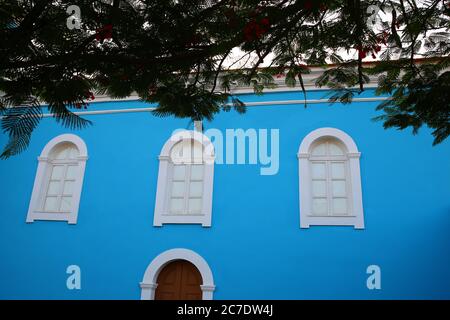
x=88, y=96
x=103, y=33
x=265, y=22
x=152, y=90
x=253, y=30
x=249, y=30
x=362, y=54
x=308, y=5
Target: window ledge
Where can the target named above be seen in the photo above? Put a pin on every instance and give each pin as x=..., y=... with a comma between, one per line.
x=183, y=215
x=51, y=212
x=333, y=216
x=51, y=216
x=204, y=220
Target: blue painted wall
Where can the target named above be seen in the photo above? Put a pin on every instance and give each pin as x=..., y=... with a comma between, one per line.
x=255, y=247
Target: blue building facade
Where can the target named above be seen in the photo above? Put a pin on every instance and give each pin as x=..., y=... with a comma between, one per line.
x=254, y=247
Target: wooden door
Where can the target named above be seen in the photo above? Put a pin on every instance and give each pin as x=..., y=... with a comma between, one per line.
x=179, y=280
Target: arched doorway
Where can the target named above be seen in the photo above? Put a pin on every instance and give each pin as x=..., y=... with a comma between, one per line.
x=179, y=280
x=151, y=280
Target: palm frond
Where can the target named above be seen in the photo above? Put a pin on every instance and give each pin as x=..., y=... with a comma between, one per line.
x=18, y=123
x=66, y=117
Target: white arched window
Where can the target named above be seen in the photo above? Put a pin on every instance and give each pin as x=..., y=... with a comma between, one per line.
x=330, y=180
x=59, y=179
x=185, y=180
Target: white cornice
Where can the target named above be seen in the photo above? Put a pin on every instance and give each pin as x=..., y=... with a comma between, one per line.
x=308, y=80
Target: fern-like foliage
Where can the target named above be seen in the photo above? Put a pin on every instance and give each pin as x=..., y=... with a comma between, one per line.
x=422, y=100
x=19, y=123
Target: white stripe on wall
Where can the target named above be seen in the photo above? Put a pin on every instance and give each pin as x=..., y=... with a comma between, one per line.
x=248, y=104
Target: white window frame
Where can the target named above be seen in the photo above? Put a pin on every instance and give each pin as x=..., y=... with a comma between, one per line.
x=161, y=213
x=352, y=156
x=35, y=211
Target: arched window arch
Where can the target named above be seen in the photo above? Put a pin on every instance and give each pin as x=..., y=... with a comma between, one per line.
x=330, y=180
x=185, y=180
x=59, y=180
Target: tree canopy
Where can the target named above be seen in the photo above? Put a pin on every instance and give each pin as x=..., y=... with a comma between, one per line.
x=180, y=55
